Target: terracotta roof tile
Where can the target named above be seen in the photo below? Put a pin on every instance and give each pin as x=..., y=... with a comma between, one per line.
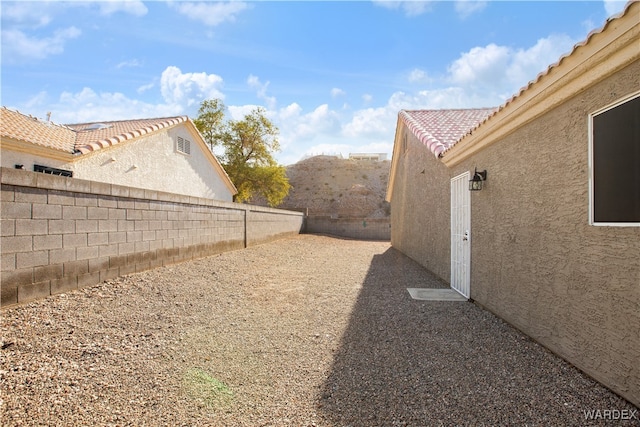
x=24, y=128
x=440, y=129
x=78, y=138
x=97, y=135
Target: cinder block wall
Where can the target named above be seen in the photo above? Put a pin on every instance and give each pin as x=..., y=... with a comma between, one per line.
x=60, y=234
x=355, y=228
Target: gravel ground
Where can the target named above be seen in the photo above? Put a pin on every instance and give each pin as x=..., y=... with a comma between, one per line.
x=307, y=331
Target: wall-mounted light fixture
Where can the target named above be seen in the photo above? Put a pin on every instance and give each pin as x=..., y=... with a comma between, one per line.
x=475, y=183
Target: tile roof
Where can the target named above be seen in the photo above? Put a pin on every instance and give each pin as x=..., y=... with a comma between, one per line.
x=24, y=128
x=97, y=135
x=78, y=138
x=440, y=129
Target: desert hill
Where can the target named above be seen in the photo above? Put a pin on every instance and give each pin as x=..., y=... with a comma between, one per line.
x=337, y=187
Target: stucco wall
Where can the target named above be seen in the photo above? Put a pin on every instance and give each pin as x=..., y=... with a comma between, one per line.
x=149, y=162
x=535, y=260
x=420, y=208
x=59, y=234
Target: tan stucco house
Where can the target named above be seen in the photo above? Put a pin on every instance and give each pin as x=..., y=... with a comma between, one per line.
x=551, y=242
x=164, y=154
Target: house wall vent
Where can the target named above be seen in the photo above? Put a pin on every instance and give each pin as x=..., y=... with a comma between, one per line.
x=183, y=145
x=52, y=171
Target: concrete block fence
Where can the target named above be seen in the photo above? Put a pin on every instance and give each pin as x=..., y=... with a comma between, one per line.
x=60, y=234
x=355, y=228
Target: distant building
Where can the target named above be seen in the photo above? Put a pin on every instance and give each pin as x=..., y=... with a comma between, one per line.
x=372, y=157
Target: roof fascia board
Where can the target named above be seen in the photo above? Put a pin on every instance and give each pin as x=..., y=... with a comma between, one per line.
x=589, y=64
x=394, y=159
x=38, y=150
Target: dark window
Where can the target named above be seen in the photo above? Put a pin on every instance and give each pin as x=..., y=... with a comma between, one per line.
x=616, y=164
x=52, y=171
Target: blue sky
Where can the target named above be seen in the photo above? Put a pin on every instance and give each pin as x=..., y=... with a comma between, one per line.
x=332, y=75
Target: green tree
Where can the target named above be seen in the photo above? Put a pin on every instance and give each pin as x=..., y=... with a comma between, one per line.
x=247, y=146
x=210, y=121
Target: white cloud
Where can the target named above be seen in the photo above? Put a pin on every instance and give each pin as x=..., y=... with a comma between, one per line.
x=501, y=70
x=26, y=13
x=527, y=64
x=367, y=98
x=17, y=46
x=480, y=65
x=144, y=88
x=88, y=106
x=19, y=18
x=613, y=7
x=418, y=76
x=132, y=63
x=238, y=112
x=189, y=89
x=446, y=97
x=336, y=92
x=211, y=13
x=39, y=99
x=322, y=119
x=290, y=111
x=410, y=8
x=466, y=8
x=299, y=129
x=481, y=77
x=261, y=88
x=370, y=122
x=133, y=7
x=297, y=126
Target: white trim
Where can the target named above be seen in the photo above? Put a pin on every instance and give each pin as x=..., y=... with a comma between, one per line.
x=611, y=106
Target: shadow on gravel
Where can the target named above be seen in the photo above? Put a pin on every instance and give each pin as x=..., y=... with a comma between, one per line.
x=403, y=362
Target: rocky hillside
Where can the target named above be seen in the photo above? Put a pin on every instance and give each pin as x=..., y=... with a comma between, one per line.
x=328, y=185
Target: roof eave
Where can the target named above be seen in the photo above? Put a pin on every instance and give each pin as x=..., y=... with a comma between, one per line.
x=394, y=161
x=26, y=147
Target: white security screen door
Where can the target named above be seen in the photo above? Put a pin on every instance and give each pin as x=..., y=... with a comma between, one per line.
x=461, y=234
